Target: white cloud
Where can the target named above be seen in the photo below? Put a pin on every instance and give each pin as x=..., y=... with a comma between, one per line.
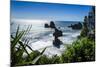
x=28, y=21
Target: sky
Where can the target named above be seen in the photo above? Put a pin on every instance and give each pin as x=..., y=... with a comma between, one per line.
x=48, y=11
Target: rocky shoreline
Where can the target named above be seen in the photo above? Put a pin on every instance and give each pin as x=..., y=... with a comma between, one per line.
x=77, y=26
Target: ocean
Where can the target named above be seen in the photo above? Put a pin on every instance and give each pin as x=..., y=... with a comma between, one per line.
x=41, y=37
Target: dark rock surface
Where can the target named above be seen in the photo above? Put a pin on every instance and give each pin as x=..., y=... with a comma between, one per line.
x=52, y=25
x=57, y=33
x=46, y=25
x=57, y=42
x=76, y=26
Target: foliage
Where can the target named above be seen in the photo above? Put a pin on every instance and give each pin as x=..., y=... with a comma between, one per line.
x=18, y=48
x=80, y=51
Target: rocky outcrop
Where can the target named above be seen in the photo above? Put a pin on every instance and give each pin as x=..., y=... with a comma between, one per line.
x=76, y=26
x=57, y=33
x=52, y=25
x=57, y=42
x=89, y=25
x=46, y=25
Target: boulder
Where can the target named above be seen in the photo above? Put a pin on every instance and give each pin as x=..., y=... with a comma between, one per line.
x=46, y=25
x=76, y=26
x=57, y=43
x=57, y=33
x=52, y=25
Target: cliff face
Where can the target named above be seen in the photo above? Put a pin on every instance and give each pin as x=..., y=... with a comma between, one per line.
x=91, y=20
x=89, y=24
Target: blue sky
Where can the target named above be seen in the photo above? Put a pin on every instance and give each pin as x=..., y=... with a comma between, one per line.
x=47, y=11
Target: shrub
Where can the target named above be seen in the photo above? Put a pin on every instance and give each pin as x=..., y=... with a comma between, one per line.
x=80, y=51
x=18, y=48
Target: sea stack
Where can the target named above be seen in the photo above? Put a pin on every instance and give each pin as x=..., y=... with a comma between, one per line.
x=56, y=41
x=52, y=25
x=77, y=26
x=46, y=25
x=57, y=33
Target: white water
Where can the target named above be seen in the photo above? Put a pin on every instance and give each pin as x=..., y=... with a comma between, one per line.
x=42, y=37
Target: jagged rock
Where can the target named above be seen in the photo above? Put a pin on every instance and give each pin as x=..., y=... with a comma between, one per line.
x=52, y=25
x=76, y=26
x=46, y=25
x=57, y=33
x=57, y=42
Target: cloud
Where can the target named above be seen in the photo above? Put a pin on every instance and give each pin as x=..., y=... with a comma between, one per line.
x=28, y=21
